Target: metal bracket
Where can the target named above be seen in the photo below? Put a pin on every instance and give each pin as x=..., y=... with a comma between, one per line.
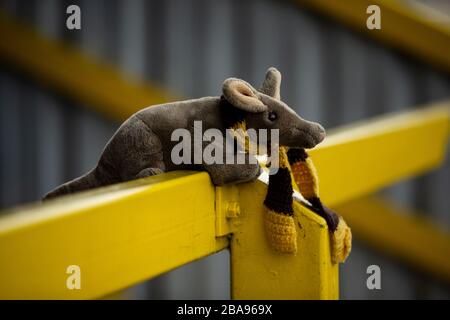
x=227, y=209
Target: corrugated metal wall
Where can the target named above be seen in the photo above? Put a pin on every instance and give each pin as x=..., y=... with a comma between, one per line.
x=330, y=74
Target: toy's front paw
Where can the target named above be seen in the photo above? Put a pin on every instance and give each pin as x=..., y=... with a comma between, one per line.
x=254, y=171
x=247, y=173
x=233, y=173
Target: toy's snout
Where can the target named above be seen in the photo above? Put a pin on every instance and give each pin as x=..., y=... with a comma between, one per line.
x=306, y=135
x=322, y=133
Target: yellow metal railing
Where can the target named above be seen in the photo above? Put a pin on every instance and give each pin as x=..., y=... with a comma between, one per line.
x=127, y=233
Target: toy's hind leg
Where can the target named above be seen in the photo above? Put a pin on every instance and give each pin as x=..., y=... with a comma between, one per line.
x=135, y=150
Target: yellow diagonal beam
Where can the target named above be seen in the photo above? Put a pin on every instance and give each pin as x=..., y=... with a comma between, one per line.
x=365, y=157
x=118, y=236
x=401, y=27
x=74, y=74
x=399, y=232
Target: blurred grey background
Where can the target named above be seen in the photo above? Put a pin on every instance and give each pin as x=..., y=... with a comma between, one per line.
x=330, y=74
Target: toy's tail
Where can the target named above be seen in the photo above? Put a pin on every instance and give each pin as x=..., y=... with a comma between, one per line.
x=85, y=182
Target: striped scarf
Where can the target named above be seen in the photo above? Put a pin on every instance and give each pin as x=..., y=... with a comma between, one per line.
x=295, y=171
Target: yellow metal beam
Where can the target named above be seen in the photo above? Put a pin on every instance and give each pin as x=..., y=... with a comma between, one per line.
x=68, y=71
x=258, y=272
x=362, y=158
x=130, y=232
x=399, y=232
x=401, y=27
x=118, y=236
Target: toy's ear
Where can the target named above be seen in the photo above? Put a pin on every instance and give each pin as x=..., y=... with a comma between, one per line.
x=271, y=84
x=242, y=95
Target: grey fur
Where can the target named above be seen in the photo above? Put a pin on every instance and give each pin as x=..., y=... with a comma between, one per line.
x=142, y=145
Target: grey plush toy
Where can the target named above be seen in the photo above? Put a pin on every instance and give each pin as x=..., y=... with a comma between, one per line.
x=142, y=145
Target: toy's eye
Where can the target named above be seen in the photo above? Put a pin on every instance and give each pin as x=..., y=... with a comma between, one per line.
x=272, y=116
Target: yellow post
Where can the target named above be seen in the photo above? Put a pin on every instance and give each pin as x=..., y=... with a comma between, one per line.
x=258, y=272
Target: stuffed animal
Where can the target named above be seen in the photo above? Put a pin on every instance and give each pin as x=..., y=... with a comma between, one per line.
x=143, y=145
